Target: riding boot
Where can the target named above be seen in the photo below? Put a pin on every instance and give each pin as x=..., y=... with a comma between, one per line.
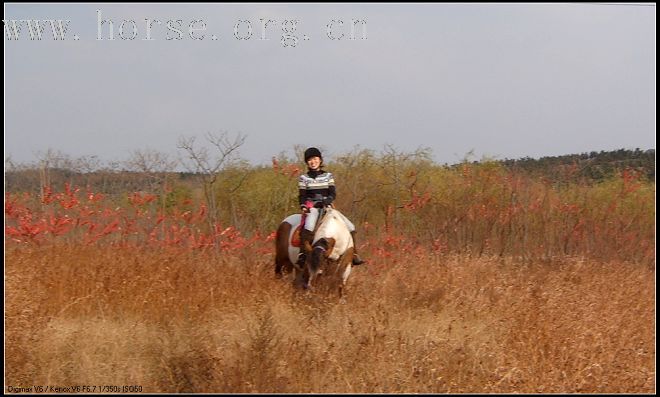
x=356, y=258
x=305, y=236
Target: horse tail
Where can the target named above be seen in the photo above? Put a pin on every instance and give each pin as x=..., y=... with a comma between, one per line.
x=282, y=261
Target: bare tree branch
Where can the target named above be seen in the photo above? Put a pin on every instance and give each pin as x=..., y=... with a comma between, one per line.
x=208, y=166
x=150, y=161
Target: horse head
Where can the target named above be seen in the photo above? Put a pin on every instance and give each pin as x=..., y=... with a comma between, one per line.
x=321, y=249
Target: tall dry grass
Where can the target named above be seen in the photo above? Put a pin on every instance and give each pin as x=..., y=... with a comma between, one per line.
x=186, y=322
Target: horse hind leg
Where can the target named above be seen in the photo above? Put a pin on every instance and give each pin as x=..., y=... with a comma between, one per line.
x=345, y=264
x=282, y=262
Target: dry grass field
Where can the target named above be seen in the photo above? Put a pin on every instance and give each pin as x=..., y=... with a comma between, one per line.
x=481, y=280
x=173, y=321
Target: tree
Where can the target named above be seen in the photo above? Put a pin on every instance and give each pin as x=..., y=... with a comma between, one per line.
x=152, y=164
x=207, y=166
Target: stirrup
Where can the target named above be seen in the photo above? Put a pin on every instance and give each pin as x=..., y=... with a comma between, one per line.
x=301, y=259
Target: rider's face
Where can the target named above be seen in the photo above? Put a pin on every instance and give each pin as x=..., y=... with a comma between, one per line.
x=314, y=163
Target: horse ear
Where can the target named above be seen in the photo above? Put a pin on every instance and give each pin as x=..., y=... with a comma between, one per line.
x=331, y=244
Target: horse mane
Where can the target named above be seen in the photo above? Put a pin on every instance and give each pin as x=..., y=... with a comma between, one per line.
x=329, y=214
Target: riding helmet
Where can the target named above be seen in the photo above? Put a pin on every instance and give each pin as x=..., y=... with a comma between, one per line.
x=312, y=152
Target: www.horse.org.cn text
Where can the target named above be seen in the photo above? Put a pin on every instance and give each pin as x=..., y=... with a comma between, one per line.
x=287, y=32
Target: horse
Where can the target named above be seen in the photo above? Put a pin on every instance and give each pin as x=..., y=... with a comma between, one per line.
x=332, y=246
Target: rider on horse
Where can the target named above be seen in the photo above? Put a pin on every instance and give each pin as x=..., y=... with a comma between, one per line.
x=317, y=190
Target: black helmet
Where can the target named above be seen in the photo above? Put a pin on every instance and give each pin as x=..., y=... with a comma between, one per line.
x=312, y=152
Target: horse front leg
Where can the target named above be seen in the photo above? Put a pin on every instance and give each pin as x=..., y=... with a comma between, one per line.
x=300, y=278
x=309, y=277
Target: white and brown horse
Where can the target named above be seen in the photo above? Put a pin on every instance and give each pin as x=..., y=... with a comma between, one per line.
x=331, y=250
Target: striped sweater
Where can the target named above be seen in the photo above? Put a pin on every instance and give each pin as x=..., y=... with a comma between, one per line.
x=315, y=185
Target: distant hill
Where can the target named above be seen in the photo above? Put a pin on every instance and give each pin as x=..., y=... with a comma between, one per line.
x=591, y=166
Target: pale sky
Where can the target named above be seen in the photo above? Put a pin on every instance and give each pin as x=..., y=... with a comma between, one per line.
x=501, y=80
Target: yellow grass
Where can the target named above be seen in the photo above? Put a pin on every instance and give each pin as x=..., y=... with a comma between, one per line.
x=177, y=322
